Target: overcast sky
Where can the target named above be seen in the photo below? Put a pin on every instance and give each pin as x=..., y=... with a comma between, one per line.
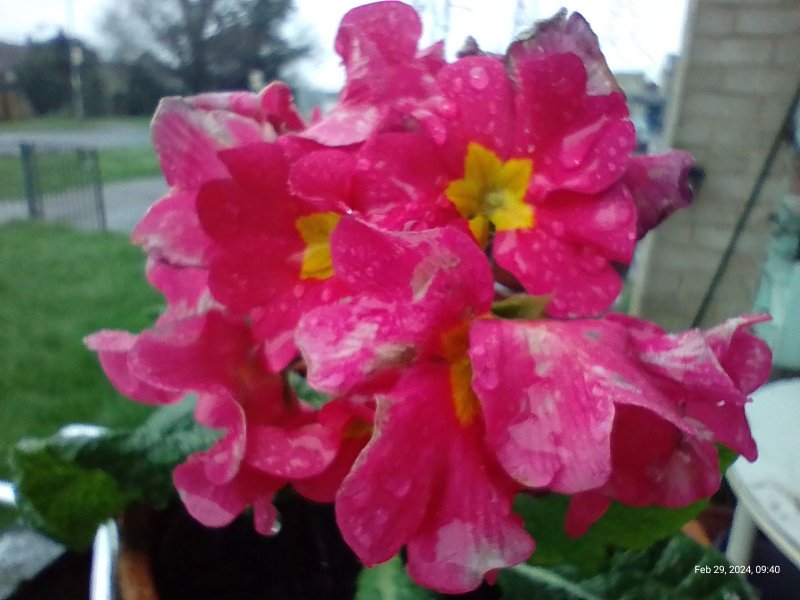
x=634, y=34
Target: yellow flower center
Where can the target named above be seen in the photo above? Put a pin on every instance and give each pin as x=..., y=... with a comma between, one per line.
x=316, y=231
x=454, y=349
x=492, y=192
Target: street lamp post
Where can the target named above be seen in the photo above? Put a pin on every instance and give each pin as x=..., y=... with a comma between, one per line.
x=75, y=62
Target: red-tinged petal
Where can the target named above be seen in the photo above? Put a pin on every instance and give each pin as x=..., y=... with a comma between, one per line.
x=584, y=509
x=260, y=168
x=433, y=57
x=349, y=344
x=655, y=463
x=659, y=185
x=256, y=271
x=185, y=289
x=113, y=348
x=438, y=267
x=245, y=104
x=228, y=212
x=745, y=357
x=567, y=35
x=581, y=280
x=218, y=505
x=278, y=108
x=186, y=140
x=481, y=92
x=323, y=178
x=323, y=487
x=170, y=231
x=291, y=453
x=548, y=402
x=398, y=183
x=199, y=353
x=346, y=124
x=416, y=286
x=376, y=34
x=221, y=411
x=467, y=529
x=383, y=500
x=578, y=142
x=606, y=222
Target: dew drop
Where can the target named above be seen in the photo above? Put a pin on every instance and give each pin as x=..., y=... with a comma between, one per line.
x=478, y=78
x=299, y=290
x=275, y=528
x=558, y=228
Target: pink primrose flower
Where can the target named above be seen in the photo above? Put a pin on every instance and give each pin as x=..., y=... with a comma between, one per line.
x=616, y=408
x=187, y=134
x=388, y=78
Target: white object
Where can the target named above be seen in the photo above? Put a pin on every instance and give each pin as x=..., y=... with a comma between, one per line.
x=768, y=490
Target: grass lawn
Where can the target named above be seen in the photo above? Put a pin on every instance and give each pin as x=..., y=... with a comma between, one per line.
x=56, y=286
x=62, y=122
x=61, y=171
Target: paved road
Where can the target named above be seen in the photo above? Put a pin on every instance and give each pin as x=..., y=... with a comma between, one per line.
x=107, y=136
x=126, y=202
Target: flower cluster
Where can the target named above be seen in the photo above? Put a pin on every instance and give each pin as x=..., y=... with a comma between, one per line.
x=436, y=255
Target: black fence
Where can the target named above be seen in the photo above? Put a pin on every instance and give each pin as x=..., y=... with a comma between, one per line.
x=52, y=182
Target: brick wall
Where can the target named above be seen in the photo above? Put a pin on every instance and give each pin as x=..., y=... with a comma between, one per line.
x=741, y=68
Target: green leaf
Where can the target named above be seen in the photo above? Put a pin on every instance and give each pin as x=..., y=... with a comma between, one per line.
x=670, y=570
x=305, y=392
x=621, y=527
x=521, y=306
x=389, y=581
x=62, y=498
x=67, y=486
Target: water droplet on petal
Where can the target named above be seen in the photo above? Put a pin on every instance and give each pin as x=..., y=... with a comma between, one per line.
x=446, y=108
x=558, y=228
x=478, y=78
x=299, y=290
x=275, y=528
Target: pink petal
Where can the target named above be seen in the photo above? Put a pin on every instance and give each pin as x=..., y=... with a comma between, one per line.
x=579, y=142
x=218, y=505
x=606, y=222
x=443, y=497
x=113, y=348
x=185, y=289
x=398, y=183
x=581, y=280
x=481, y=93
x=659, y=185
x=655, y=463
x=567, y=35
x=278, y=107
x=324, y=179
x=199, y=353
x=376, y=34
x=415, y=286
x=170, y=231
x=221, y=411
x=291, y=453
x=186, y=140
x=745, y=358
x=584, y=509
x=548, y=403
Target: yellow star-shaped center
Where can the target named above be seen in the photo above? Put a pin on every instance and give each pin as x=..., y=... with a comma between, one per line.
x=492, y=192
x=316, y=229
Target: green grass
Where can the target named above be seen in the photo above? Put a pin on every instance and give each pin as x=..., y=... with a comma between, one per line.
x=61, y=171
x=64, y=122
x=56, y=286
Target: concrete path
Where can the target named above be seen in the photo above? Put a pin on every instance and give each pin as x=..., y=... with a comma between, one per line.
x=127, y=201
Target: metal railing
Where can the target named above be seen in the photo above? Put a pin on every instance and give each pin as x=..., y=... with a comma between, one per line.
x=54, y=183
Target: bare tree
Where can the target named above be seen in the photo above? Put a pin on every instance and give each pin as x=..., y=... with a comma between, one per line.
x=207, y=44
